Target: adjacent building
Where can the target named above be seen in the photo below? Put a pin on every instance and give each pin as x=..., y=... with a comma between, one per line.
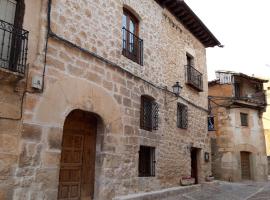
x=237, y=103
x=87, y=109
x=266, y=123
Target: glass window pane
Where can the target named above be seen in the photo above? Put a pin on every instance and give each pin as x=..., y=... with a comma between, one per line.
x=132, y=26
x=124, y=21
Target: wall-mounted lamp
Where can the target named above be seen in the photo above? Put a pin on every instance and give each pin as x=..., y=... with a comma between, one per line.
x=177, y=89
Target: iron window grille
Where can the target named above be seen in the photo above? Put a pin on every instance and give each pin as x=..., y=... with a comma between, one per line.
x=13, y=47
x=147, y=161
x=182, y=116
x=194, y=78
x=132, y=46
x=244, y=119
x=149, y=113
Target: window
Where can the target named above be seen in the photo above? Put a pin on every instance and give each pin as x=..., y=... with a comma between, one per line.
x=244, y=119
x=147, y=161
x=132, y=44
x=149, y=113
x=190, y=60
x=237, y=90
x=211, y=123
x=13, y=38
x=182, y=116
x=194, y=78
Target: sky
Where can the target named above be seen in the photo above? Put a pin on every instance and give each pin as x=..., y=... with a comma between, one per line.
x=243, y=27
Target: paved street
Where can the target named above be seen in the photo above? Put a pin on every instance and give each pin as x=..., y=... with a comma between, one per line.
x=230, y=191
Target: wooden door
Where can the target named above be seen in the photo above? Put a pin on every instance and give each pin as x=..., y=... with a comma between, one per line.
x=194, y=164
x=245, y=165
x=77, y=170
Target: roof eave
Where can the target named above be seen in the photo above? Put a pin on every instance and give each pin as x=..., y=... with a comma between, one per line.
x=191, y=21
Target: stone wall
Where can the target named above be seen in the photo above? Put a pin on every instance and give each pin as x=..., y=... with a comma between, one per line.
x=231, y=138
x=266, y=119
x=268, y=165
x=77, y=80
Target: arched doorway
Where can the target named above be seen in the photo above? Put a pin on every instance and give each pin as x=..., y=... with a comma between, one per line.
x=77, y=167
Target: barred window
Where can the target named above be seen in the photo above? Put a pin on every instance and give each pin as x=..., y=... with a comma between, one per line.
x=147, y=161
x=149, y=113
x=244, y=119
x=182, y=116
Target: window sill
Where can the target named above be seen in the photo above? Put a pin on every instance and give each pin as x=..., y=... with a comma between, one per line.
x=8, y=76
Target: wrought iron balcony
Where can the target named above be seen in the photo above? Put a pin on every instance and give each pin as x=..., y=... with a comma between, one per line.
x=13, y=47
x=132, y=47
x=194, y=78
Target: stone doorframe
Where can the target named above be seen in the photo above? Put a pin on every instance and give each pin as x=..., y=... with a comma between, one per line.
x=253, y=151
x=59, y=99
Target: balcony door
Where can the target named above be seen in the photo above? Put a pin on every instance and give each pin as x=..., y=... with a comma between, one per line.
x=7, y=15
x=8, y=10
x=11, y=34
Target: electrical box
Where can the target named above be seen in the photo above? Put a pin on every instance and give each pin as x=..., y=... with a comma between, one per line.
x=37, y=82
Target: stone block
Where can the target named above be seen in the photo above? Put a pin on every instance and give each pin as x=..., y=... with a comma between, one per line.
x=55, y=138
x=51, y=194
x=124, y=91
x=30, y=155
x=9, y=127
x=55, y=63
x=129, y=130
x=93, y=77
x=118, y=98
x=31, y=132
x=7, y=161
x=127, y=102
x=76, y=71
x=30, y=102
x=9, y=143
x=51, y=159
x=25, y=171
x=48, y=178
x=108, y=85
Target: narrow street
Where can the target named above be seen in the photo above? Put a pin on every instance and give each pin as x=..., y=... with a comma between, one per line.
x=231, y=191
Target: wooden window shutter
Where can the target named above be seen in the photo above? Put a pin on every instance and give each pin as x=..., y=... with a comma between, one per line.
x=155, y=111
x=20, y=9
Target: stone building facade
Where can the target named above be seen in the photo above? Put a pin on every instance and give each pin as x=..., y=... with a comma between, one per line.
x=266, y=123
x=237, y=103
x=71, y=122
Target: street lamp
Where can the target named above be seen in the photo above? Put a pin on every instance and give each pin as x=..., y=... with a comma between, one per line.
x=177, y=89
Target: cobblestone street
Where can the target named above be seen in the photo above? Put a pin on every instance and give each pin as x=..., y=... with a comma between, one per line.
x=230, y=191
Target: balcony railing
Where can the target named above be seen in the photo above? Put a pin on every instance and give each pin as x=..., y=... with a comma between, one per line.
x=132, y=47
x=194, y=78
x=13, y=47
x=256, y=98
